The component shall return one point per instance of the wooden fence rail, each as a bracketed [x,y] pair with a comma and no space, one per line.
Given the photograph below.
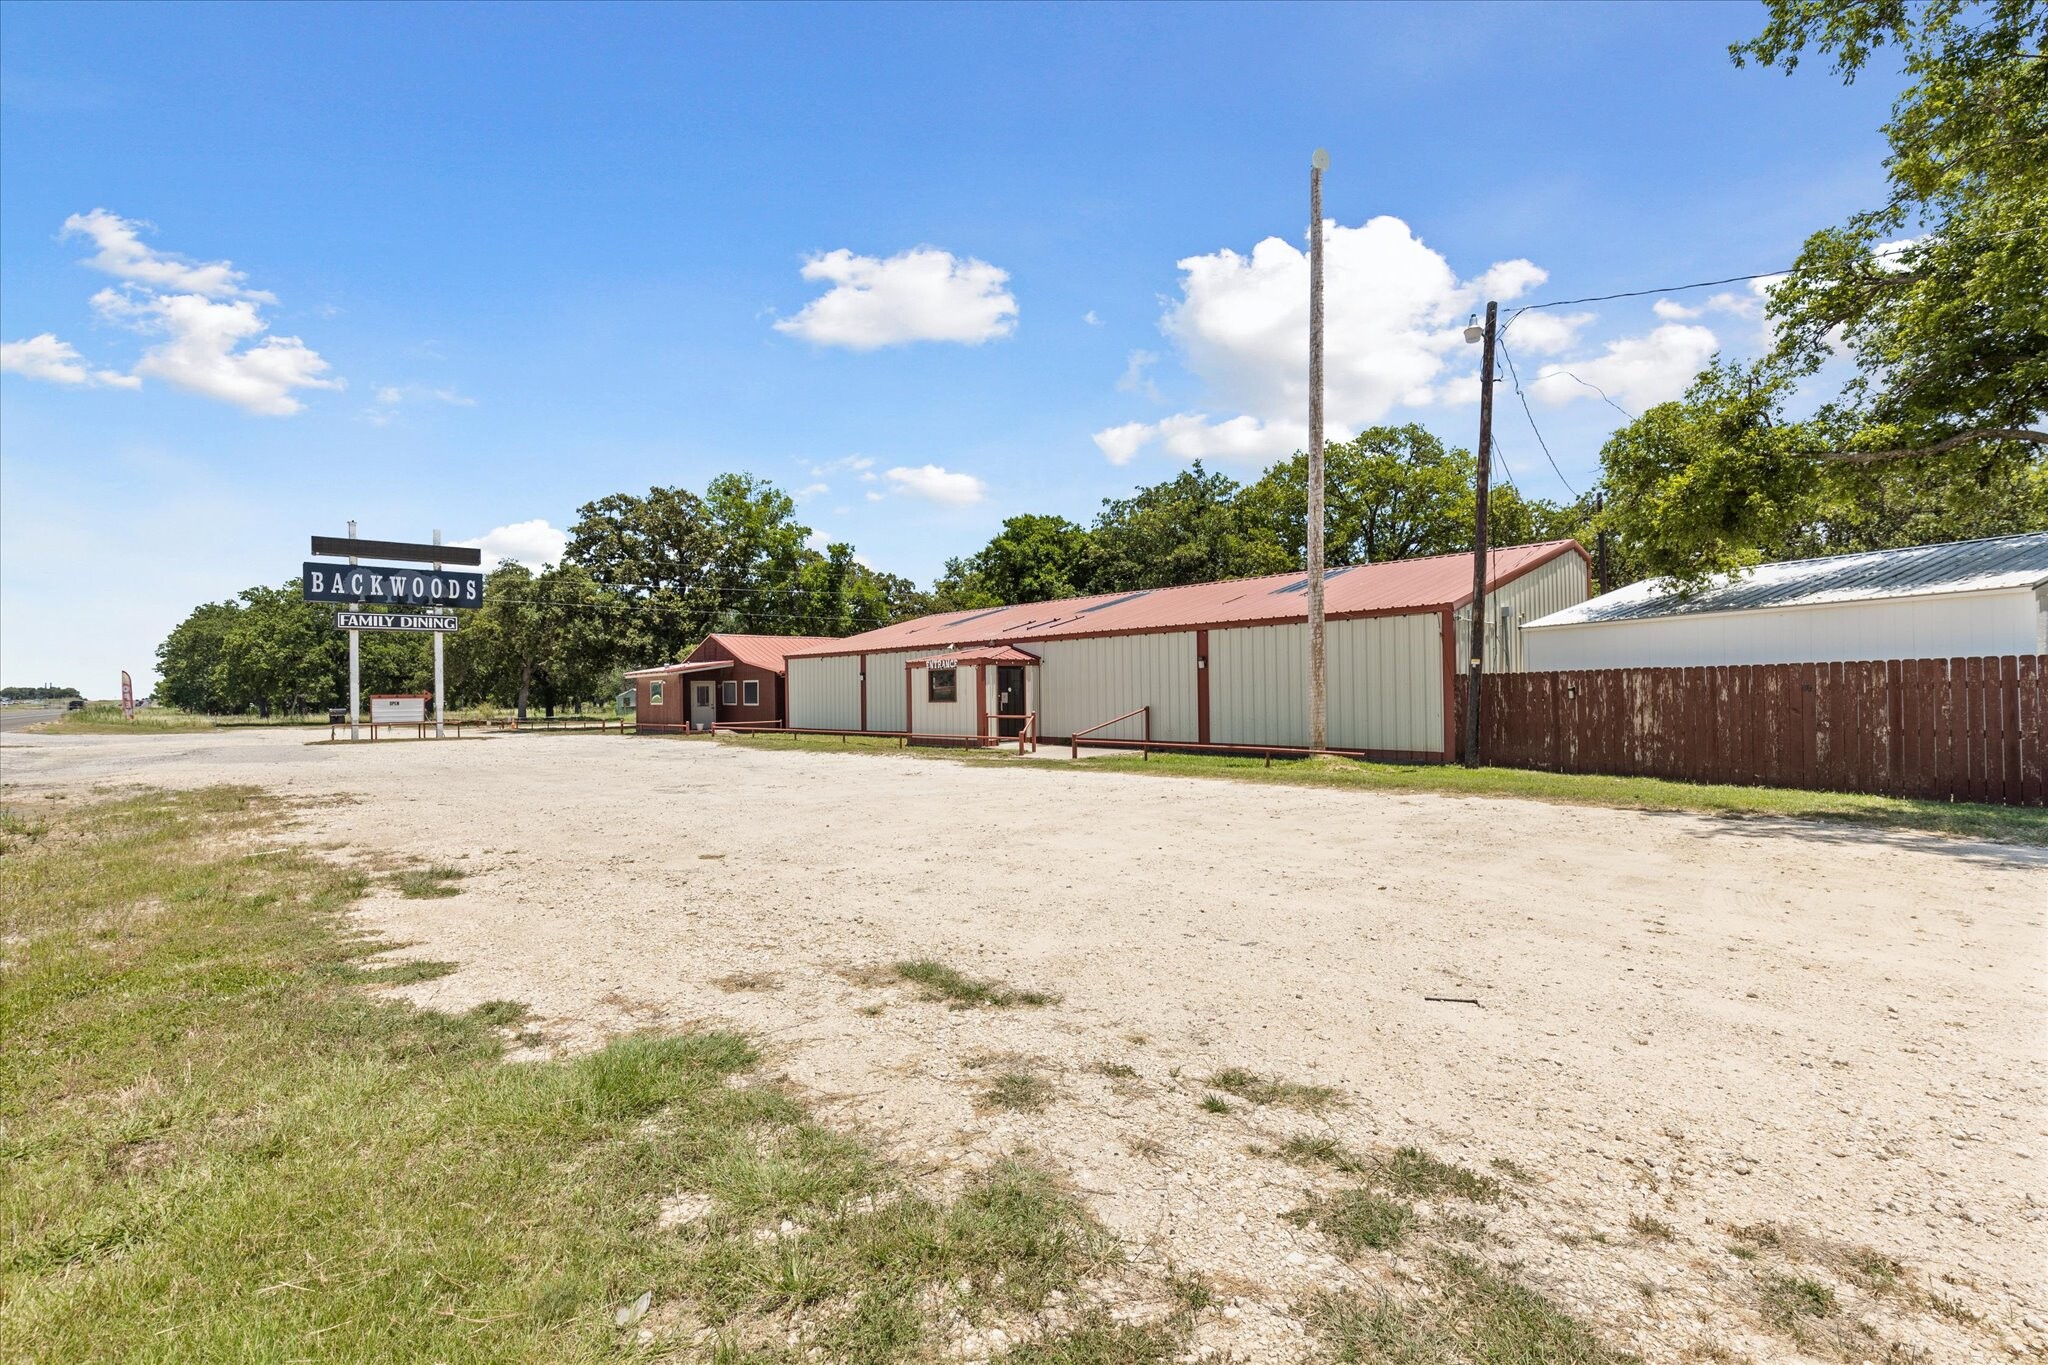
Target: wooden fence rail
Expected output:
[1949,729]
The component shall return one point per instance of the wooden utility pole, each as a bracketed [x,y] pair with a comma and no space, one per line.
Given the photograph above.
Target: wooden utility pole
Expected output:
[1476,664]
[1600,543]
[1318,710]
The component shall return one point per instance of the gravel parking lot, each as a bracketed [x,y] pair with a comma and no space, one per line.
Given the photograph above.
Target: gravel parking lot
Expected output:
[1685,1026]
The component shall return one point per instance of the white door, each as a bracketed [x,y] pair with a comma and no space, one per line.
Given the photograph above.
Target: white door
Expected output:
[703,705]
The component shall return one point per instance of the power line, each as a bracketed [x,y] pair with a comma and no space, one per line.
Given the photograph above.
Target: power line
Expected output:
[1639,293]
[1524,398]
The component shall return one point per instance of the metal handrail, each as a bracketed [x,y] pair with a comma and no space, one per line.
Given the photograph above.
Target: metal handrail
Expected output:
[1074,740]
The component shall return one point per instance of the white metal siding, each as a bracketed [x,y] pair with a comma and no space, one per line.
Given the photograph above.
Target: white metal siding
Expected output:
[1934,627]
[1385,688]
[1085,682]
[885,689]
[1385,685]
[942,717]
[824,694]
[1563,582]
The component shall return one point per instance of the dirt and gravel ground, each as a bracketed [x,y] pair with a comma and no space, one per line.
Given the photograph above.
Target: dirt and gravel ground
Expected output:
[1697,1024]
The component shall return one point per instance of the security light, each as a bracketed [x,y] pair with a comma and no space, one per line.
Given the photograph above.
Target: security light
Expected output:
[1474,333]
[1319,159]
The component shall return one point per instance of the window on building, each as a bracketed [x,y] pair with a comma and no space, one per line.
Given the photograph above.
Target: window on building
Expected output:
[728,693]
[942,684]
[654,693]
[750,692]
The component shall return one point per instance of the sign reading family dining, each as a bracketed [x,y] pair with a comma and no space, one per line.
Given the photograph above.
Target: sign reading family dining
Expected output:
[391,587]
[393,620]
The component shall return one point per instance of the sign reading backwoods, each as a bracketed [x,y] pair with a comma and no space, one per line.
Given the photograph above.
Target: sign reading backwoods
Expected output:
[390,587]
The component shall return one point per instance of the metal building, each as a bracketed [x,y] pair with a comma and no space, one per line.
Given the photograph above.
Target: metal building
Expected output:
[726,680]
[1211,663]
[1971,598]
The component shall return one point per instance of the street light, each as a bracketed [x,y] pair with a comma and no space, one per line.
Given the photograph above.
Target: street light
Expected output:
[1476,660]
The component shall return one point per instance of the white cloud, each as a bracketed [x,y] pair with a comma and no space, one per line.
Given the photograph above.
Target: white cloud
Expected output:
[1548,333]
[1090,318]
[1134,378]
[1636,372]
[1671,310]
[860,466]
[923,294]
[124,255]
[873,496]
[44,357]
[207,349]
[532,543]
[936,483]
[1394,323]
[392,396]
[812,490]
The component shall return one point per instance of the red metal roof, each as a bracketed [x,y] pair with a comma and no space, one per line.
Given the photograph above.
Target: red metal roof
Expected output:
[1393,588]
[993,654]
[768,651]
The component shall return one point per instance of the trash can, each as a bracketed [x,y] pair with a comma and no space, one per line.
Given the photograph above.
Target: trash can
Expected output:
[337,715]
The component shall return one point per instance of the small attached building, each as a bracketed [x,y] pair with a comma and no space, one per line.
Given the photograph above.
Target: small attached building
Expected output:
[1966,599]
[727,680]
[1223,664]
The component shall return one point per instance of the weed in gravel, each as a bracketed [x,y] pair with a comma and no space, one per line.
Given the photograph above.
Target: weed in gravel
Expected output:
[1257,1089]
[1358,1220]
[1471,1314]
[1017,1090]
[407,973]
[747,981]
[1306,1150]
[1513,1170]
[1652,1227]
[1786,1299]
[500,1013]
[940,982]
[1415,1174]
[1097,1340]
[1952,1309]
[428,883]
[1215,1104]
[1117,1071]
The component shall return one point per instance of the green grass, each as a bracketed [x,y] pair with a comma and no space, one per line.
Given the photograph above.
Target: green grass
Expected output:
[1017,1090]
[1215,1104]
[1257,1089]
[105,718]
[940,982]
[428,883]
[1472,1313]
[219,1145]
[1415,1174]
[1359,1220]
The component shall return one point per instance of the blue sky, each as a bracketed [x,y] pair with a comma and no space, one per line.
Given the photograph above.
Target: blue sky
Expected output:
[468,268]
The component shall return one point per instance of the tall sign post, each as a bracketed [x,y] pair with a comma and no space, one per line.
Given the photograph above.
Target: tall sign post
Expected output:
[435,593]
[355,664]
[1318,734]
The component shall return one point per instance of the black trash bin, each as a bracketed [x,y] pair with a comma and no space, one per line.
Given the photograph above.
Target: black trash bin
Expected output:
[337,715]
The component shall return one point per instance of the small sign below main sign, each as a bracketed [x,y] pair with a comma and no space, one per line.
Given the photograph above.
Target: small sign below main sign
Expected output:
[390,587]
[393,620]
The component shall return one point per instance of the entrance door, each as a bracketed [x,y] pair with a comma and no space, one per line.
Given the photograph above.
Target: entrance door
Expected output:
[703,705]
[1010,699]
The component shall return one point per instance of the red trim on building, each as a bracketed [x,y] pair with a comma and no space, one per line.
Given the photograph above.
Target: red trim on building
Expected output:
[981,699]
[1202,686]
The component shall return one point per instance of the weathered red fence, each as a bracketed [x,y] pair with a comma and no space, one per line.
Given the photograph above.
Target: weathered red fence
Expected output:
[1950,729]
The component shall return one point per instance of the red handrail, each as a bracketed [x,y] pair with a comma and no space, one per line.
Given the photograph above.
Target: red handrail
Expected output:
[1074,740]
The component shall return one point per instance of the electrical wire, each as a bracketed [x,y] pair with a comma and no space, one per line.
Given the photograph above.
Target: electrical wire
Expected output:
[1639,293]
[1516,377]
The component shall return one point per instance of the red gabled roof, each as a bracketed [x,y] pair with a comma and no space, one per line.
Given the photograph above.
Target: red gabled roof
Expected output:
[993,654]
[768,651]
[1399,586]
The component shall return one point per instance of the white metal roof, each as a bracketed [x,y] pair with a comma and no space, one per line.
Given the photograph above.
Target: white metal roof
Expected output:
[1922,570]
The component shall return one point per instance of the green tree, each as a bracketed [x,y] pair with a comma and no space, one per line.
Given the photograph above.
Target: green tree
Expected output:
[188,662]
[1189,529]
[1033,558]
[1935,296]
[557,632]
[282,653]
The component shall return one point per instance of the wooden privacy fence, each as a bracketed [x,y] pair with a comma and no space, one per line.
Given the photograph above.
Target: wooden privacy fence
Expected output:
[1949,729]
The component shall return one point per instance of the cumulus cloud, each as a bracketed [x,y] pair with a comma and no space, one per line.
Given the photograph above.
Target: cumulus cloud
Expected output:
[211,347]
[1637,372]
[209,326]
[923,294]
[1135,380]
[813,490]
[44,357]
[1671,310]
[936,483]
[1548,333]
[124,255]
[860,466]
[1394,322]
[532,543]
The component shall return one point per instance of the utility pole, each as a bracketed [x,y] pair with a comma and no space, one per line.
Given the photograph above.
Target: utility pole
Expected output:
[1476,665]
[1600,543]
[437,663]
[1318,709]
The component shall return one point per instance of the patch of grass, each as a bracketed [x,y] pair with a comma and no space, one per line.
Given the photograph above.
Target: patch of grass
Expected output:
[105,718]
[1415,1174]
[747,981]
[1471,1314]
[1215,1104]
[1096,1340]
[2008,824]
[1513,1170]
[1257,1089]
[1316,1150]
[1786,1299]
[1017,1090]
[406,973]
[500,1013]
[1359,1220]
[1952,1309]
[1117,1071]
[220,1147]
[428,883]
[1652,1227]
[940,982]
